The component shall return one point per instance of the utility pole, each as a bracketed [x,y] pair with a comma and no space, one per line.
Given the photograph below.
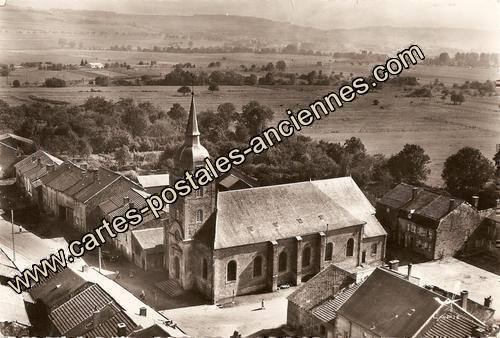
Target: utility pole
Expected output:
[99,249]
[13,243]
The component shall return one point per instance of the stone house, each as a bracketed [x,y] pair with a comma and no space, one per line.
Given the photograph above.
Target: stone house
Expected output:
[31,169]
[228,243]
[486,238]
[312,308]
[117,205]
[13,148]
[426,222]
[147,248]
[393,306]
[73,194]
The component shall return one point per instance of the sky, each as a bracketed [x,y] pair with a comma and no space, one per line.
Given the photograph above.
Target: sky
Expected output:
[324,14]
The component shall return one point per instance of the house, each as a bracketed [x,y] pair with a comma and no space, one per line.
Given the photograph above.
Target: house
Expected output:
[313,306]
[117,205]
[455,276]
[26,145]
[9,155]
[426,222]
[99,297]
[73,194]
[386,304]
[95,65]
[235,242]
[486,238]
[154,183]
[31,169]
[147,248]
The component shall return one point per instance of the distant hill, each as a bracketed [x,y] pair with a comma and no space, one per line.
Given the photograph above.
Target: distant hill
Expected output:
[34,29]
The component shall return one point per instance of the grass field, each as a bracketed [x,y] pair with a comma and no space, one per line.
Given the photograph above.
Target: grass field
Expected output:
[439,127]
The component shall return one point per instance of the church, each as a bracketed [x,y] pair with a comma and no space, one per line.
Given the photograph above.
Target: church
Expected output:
[230,242]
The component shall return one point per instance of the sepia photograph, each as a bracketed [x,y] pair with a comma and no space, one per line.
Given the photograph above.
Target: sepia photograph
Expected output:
[250,168]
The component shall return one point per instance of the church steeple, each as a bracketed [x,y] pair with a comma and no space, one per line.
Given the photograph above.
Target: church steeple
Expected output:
[192,132]
[192,153]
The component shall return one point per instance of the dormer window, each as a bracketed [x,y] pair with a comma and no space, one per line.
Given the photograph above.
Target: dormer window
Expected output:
[199,216]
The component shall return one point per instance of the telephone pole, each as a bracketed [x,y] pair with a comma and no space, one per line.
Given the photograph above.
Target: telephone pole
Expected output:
[13,243]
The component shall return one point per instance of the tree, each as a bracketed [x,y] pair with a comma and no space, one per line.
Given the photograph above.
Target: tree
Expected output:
[16,83]
[213,87]
[255,116]
[101,81]
[177,112]
[281,65]
[184,90]
[123,155]
[466,172]
[457,98]
[410,164]
[54,82]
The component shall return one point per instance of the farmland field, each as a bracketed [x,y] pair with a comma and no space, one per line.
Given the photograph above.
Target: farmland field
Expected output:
[439,127]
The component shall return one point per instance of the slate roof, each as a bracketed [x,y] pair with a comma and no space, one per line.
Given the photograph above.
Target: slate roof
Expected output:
[115,206]
[330,281]
[149,238]
[79,308]
[451,321]
[390,306]
[108,328]
[230,180]
[8,136]
[281,211]
[262,214]
[345,192]
[57,288]
[31,168]
[327,311]
[428,207]
[398,196]
[63,177]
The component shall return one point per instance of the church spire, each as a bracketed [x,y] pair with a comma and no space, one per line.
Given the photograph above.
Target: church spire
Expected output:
[192,154]
[192,133]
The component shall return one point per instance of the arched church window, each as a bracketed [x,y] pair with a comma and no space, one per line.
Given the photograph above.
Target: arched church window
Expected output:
[282,261]
[199,192]
[350,248]
[199,216]
[329,252]
[231,271]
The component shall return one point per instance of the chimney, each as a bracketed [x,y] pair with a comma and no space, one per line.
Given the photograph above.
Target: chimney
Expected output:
[478,332]
[126,200]
[475,202]
[142,311]
[414,191]
[464,295]
[96,318]
[84,166]
[452,205]
[85,268]
[409,271]
[39,160]
[488,301]
[50,167]
[121,330]
[394,265]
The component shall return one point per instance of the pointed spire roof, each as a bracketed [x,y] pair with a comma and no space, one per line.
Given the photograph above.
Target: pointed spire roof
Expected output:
[192,131]
[192,152]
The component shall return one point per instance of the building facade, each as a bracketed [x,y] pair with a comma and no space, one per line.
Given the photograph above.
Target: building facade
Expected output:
[425,222]
[229,243]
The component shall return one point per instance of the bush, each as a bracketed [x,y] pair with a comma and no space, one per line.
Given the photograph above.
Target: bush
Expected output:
[54,82]
[16,84]
[101,81]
